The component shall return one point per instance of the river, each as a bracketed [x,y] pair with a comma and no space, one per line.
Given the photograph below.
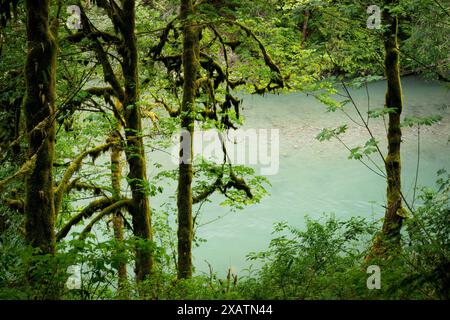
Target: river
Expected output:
[317,177]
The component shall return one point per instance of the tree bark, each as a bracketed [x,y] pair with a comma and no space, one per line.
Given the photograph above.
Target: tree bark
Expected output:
[39,104]
[393,219]
[116,177]
[137,176]
[191,53]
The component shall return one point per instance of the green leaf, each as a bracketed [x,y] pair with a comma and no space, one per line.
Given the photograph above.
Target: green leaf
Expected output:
[332,104]
[378,112]
[355,153]
[421,121]
[370,146]
[326,134]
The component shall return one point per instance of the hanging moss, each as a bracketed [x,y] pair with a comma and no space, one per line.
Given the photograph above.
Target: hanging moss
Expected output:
[155,51]
[108,210]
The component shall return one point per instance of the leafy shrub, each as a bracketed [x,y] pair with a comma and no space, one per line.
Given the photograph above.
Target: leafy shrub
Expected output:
[317,263]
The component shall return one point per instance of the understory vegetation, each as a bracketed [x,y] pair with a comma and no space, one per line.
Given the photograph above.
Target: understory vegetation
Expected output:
[325,260]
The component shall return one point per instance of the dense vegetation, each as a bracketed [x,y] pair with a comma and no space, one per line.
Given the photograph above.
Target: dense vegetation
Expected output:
[90,90]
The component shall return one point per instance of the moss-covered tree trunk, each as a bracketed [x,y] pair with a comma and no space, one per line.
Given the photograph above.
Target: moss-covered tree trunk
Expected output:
[191,53]
[116,177]
[39,104]
[137,176]
[390,237]
[123,18]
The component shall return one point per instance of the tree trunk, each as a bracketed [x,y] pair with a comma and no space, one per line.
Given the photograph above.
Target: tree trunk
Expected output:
[393,218]
[137,177]
[191,53]
[116,177]
[305,27]
[390,237]
[39,104]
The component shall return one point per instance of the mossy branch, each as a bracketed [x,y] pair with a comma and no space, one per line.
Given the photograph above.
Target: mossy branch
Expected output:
[278,81]
[155,51]
[238,183]
[233,182]
[88,211]
[15,204]
[173,112]
[110,97]
[208,191]
[41,126]
[267,58]
[100,91]
[25,169]
[108,72]
[108,210]
[80,186]
[74,167]
[105,36]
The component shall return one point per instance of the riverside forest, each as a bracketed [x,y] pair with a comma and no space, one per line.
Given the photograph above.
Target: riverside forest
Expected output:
[224,149]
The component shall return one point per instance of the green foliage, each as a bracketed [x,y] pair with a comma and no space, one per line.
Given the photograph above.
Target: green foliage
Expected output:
[331,104]
[380,112]
[326,260]
[197,288]
[421,121]
[20,263]
[14,257]
[427,244]
[314,263]
[370,147]
[426,44]
[327,134]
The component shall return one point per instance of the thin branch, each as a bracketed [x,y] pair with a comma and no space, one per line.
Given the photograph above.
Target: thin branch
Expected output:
[442,7]
[171,111]
[360,160]
[417,166]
